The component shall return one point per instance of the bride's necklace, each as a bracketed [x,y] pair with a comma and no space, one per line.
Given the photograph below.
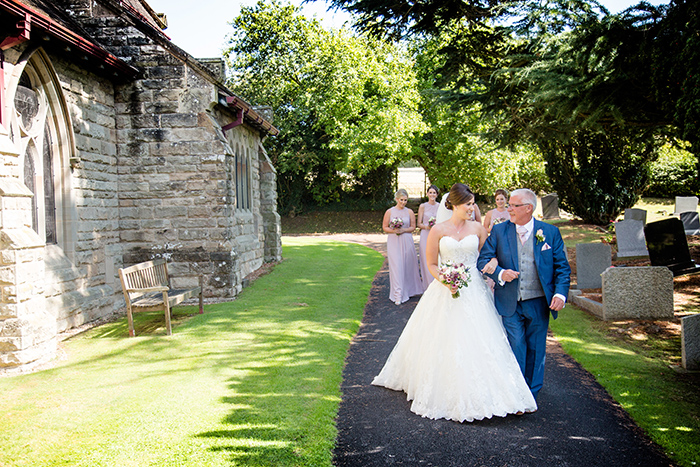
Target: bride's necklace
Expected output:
[460,229]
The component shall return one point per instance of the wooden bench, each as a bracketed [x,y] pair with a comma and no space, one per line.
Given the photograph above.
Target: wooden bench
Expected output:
[146,287]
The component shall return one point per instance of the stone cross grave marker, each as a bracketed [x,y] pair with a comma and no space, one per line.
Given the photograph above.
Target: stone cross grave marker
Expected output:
[636,214]
[592,259]
[685,204]
[630,239]
[550,206]
[691,222]
[668,246]
[690,342]
[644,292]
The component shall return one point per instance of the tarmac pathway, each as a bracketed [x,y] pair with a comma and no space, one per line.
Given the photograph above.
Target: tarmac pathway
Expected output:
[577,423]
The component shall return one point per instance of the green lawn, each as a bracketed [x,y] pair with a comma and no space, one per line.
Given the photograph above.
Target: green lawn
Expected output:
[252,382]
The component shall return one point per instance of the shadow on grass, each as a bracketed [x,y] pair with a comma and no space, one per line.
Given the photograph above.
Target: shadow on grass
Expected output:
[286,390]
[146,323]
[272,359]
[283,402]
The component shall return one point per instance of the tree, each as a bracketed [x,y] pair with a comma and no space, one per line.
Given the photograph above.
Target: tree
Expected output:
[346,105]
[564,93]
[597,175]
[452,148]
[571,76]
[398,18]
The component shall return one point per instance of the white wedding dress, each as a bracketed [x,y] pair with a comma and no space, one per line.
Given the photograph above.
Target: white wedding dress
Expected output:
[453,359]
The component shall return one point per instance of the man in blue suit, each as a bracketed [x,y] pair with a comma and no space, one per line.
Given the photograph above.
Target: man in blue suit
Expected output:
[532,278]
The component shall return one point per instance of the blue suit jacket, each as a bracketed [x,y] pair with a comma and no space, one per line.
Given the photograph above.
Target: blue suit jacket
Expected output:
[552,266]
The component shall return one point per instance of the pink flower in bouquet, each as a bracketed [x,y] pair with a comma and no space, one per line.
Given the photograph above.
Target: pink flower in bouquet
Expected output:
[454,275]
[431,222]
[396,223]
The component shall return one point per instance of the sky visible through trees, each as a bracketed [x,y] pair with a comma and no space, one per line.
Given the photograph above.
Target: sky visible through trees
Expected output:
[202,31]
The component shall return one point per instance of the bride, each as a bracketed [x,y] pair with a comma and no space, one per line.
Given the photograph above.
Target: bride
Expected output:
[453,359]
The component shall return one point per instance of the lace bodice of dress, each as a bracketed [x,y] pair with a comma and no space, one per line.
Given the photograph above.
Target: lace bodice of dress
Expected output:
[465,251]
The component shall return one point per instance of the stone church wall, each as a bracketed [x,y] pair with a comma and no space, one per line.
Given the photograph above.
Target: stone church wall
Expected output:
[152,173]
[81,272]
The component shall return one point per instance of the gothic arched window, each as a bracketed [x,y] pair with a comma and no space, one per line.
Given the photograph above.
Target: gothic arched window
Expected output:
[40,129]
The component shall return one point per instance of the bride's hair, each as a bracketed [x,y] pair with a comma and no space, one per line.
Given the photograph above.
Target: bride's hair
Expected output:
[459,194]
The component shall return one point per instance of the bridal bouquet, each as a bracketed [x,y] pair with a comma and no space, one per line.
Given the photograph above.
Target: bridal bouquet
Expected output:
[431,222]
[396,223]
[454,275]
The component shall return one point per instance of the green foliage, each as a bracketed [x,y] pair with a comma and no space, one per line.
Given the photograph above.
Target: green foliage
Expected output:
[675,70]
[552,74]
[253,382]
[598,175]
[453,148]
[346,105]
[531,171]
[673,174]
[396,18]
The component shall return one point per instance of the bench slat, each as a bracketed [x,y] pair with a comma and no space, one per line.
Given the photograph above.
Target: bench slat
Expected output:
[154,300]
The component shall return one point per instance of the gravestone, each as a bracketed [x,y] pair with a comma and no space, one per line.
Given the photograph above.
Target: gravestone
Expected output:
[636,214]
[630,239]
[550,206]
[592,259]
[690,342]
[691,222]
[644,292]
[668,246]
[685,204]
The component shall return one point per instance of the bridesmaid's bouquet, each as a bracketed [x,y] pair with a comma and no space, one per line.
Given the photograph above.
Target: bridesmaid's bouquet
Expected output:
[454,275]
[498,220]
[396,223]
[431,222]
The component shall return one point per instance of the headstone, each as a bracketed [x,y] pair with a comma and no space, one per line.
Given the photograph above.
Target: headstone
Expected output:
[685,204]
[668,246]
[630,239]
[592,259]
[691,222]
[550,206]
[636,215]
[644,292]
[690,342]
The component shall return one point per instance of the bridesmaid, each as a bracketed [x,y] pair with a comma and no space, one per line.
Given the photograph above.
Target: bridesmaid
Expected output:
[427,213]
[400,222]
[499,213]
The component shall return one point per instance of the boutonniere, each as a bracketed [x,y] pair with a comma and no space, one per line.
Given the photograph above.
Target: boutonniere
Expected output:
[539,235]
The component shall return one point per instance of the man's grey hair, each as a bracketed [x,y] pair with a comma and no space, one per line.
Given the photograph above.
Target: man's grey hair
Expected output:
[529,196]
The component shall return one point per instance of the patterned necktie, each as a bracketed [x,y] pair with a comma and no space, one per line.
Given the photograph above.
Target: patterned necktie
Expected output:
[522,233]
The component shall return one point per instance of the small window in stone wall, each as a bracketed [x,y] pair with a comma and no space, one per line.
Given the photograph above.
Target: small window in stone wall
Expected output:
[242,180]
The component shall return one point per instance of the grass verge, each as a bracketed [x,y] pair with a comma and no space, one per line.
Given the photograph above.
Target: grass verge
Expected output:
[252,382]
[663,402]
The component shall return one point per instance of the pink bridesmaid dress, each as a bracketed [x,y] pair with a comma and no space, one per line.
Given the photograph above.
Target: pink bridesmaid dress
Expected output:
[428,212]
[404,278]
